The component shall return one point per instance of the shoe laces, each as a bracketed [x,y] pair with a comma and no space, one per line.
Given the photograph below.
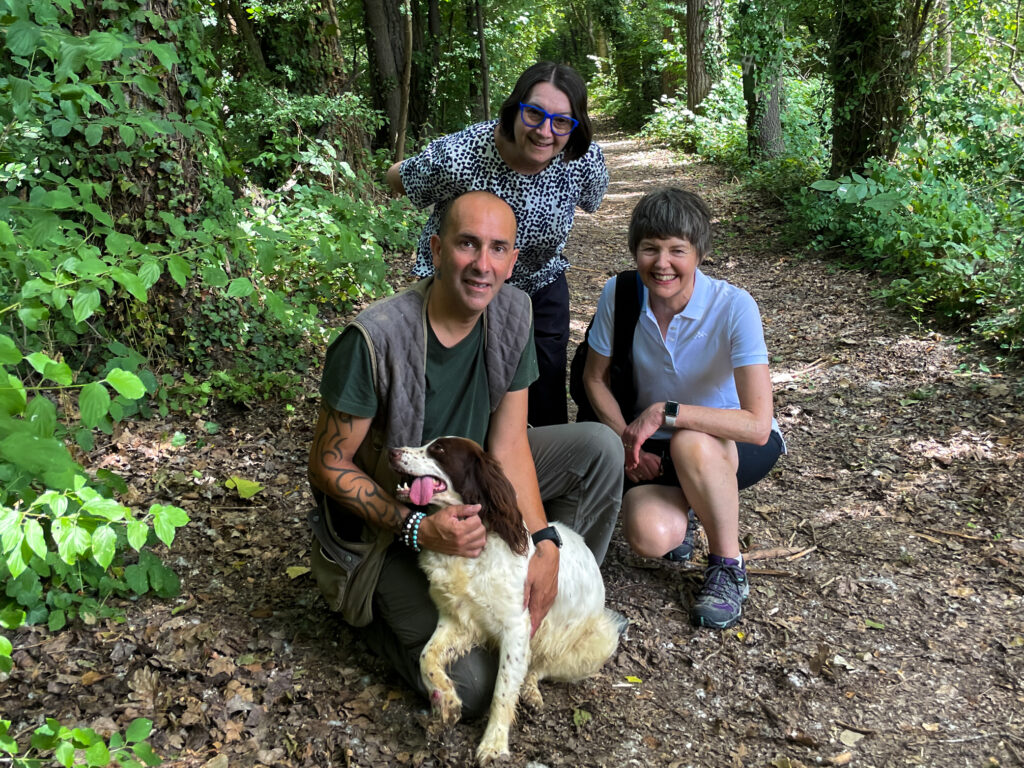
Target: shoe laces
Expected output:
[723,579]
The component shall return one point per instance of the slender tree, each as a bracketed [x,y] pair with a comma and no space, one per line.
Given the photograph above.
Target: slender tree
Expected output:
[761,36]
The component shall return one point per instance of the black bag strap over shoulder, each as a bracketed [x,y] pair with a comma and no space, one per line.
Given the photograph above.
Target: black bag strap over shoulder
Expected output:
[628,296]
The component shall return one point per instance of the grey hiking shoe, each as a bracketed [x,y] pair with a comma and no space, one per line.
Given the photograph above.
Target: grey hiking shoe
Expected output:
[720,601]
[684,551]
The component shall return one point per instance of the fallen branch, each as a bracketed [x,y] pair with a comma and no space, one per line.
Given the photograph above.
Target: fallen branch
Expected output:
[790,553]
[957,534]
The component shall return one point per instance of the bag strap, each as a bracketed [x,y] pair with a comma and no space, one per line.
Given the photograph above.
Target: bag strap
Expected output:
[629,291]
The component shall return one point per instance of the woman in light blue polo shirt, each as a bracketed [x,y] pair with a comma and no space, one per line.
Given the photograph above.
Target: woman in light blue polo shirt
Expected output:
[702,427]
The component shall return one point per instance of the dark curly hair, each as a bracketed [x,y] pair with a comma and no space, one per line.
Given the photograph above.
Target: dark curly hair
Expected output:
[565,79]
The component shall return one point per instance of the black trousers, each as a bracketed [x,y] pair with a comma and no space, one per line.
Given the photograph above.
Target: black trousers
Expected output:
[548,401]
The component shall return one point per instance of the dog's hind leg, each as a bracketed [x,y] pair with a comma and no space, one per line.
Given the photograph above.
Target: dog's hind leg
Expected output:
[513,664]
[449,642]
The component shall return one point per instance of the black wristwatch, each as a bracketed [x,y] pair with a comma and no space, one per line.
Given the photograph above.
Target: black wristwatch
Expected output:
[547,534]
[671,411]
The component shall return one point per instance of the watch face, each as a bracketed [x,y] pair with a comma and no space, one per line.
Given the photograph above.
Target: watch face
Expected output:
[671,409]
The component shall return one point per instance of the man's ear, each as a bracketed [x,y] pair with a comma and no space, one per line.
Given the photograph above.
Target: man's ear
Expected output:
[512,262]
[435,251]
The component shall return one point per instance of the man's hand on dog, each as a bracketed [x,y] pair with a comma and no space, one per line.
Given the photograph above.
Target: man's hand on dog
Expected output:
[541,583]
[454,531]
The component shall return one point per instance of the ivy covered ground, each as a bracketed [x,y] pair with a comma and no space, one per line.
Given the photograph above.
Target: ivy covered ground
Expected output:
[885,626]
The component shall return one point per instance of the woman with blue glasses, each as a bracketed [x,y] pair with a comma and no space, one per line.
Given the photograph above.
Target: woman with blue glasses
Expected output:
[537,156]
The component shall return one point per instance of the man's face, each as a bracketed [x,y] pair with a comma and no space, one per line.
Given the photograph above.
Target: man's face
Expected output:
[476,252]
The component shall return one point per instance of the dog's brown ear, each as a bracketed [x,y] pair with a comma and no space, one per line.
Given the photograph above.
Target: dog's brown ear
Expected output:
[500,511]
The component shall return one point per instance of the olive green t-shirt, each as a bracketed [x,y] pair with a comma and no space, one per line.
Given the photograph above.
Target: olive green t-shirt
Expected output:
[457,397]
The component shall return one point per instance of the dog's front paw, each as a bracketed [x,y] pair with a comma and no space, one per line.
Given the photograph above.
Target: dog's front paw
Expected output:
[489,754]
[446,706]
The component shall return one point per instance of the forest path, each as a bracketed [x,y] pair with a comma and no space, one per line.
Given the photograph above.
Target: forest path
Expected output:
[892,635]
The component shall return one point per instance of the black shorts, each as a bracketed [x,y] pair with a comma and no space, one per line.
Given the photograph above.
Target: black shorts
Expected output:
[755,462]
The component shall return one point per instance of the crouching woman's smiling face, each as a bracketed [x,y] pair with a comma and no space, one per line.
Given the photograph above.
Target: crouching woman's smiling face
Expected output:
[667,267]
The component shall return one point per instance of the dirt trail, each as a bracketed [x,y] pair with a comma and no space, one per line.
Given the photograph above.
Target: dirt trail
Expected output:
[891,636]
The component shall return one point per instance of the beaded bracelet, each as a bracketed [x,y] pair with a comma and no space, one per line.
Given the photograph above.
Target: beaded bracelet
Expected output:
[411,530]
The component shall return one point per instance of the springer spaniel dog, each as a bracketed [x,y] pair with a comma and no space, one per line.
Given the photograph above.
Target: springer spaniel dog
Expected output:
[576,637]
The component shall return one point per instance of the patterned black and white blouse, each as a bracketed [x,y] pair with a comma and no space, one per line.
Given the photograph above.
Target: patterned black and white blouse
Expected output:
[544,203]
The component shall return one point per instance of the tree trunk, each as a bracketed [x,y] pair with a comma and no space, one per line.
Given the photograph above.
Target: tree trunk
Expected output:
[873,61]
[762,36]
[403,112]
[764,117]
[698,80]
[485,77]
[385,42]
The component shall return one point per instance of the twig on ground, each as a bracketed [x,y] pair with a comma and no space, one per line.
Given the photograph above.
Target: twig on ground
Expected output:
[857,728]
[957,534]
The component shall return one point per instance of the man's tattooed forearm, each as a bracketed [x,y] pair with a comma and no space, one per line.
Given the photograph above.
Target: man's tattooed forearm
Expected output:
[334,445]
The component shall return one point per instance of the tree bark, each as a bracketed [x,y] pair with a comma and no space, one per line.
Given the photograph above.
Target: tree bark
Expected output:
[762,81]
[485,77]
[403,112]
[698,79]
[873,60]
[385,41]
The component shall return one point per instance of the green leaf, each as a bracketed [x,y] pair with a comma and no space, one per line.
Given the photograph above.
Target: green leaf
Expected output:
[72,540]
[9,352]
[126,383]
[41,414]
[246,488]
[166,519]
[179,270]
[93,403]
[148,85]
[137,579]
[104,545]
[15,561]
[57,620]
[137,532]
[60,128]
[872,624]
[44,228]
[127,134]
[98,754]
[139,730]
[240,287]
[118,244]
[178,439]
[34,537]
[104,46]
[93,134]
[23,37]
[85,303]
[12,617]
[825,185]
[98,213]
[130,282]
[65,754]
[214,276]
[12,395]
[145,753]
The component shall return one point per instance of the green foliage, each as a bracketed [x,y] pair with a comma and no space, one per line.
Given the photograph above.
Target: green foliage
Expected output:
[62,534]
[956,251]
[275,134]
[55,743]
[718,134]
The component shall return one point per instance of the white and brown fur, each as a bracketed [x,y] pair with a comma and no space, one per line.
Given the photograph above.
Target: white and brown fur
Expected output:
[480,600]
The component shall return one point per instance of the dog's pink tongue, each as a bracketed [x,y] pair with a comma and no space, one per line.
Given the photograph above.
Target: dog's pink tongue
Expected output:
[421,491]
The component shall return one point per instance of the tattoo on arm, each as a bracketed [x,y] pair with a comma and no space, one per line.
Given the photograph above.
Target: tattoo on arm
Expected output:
[336,449]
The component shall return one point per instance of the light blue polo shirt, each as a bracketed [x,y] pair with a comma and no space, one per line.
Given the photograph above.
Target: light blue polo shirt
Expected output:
[717,331]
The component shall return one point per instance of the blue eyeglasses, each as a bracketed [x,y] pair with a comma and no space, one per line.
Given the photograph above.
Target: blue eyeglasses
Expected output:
[534,117]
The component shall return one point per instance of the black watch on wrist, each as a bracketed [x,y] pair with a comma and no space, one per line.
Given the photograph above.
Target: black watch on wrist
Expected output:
[547,534]
[671,411]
